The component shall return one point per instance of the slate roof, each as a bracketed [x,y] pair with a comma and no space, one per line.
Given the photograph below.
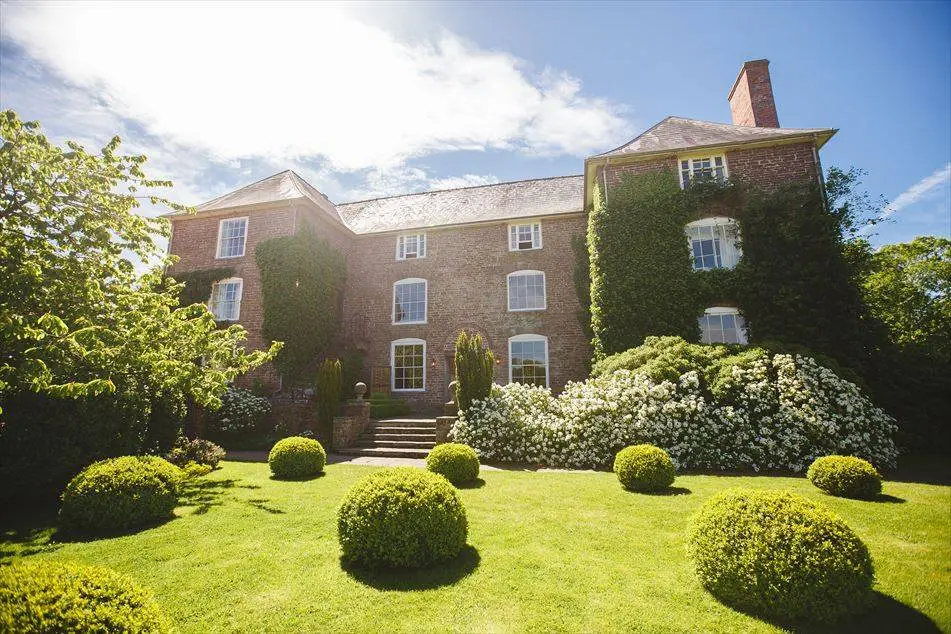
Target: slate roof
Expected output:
[679,133]
[286,185]
[519,199]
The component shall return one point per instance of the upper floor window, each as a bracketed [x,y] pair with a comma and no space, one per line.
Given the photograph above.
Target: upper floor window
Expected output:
[408,365]
[225,302]
[702,168]
[232,235]
[526,290]
[409,301]
[722,325]
[525,236]
[714,243]
[528,360]
[411,247]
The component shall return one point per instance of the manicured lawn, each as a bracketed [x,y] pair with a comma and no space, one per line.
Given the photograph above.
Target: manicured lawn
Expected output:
[548,552]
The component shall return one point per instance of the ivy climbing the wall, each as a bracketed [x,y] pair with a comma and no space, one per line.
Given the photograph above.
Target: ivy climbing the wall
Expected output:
[792,283]
[198,284]
[302,279]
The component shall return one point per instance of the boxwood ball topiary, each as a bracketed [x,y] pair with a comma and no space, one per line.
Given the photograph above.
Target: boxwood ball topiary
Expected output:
[457,462]
[780,556]
[120,493]
[296,457]
[50,596]
[845,476]
[644,468]
[401,517]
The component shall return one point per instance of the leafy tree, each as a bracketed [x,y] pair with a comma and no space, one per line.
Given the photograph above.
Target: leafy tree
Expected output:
[91,350]
[908,287]
[475,365]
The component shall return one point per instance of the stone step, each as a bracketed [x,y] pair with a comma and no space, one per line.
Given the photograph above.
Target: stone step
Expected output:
[402,428]
[385,452]
[413,444]
[426,421]
[392,435]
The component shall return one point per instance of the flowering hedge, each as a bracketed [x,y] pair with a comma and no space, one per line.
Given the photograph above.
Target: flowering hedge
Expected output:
[766,412]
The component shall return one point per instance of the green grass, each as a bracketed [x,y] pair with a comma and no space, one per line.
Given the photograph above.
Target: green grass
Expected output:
[548,552]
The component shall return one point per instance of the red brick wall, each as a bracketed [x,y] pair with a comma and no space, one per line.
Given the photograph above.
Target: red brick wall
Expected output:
[466,269]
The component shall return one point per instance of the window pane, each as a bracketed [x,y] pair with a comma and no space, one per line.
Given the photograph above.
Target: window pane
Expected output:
[225,300]
[408,367]
[528,361]
[722,328]
[527,292]
[232,238]
[410,302]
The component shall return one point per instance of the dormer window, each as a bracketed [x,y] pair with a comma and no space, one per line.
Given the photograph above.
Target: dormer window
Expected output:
[702,168]
[411,246]
[525,236]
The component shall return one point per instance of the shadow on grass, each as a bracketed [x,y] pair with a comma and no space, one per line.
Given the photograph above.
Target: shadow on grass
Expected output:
[203,493]
[27,530]
[668,492]
[316,476]
[264,506]
[478,483]
[408,579]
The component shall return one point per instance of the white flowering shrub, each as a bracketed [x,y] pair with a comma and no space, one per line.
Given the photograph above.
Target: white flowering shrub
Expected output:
[763,412]
[241,413]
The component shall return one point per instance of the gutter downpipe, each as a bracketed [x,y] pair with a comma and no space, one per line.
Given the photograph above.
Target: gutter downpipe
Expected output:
[822,179]
[604,178]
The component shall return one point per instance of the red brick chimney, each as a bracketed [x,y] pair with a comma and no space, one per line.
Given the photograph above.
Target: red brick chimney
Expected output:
[751,99]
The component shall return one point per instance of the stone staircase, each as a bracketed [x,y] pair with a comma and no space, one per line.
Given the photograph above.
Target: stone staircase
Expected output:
[396,438]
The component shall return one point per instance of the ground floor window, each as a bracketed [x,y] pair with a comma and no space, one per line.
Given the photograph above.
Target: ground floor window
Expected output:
[722,325]
[528,360]
[408,361]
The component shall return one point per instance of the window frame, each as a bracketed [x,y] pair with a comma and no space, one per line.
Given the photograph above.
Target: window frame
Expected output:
[244,241]
[742,338]
[411,280]
[211,299]
[730,251]
[421,238]
[508,290]
[408,341]
[713,156]
[525,338]
[513,226]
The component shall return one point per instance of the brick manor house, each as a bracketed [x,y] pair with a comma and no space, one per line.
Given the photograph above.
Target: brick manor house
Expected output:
[495,259]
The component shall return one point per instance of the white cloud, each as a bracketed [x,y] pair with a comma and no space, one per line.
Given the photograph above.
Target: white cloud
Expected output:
[466,180]
[295,80]
[919,190]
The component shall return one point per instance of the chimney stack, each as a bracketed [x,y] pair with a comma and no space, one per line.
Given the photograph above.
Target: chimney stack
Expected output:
[751,99]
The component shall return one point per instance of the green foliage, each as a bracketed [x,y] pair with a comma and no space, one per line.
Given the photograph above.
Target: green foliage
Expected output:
[83,334]
[198,284]
[196,470]
[328,391]
[352,371]
[401,517]
[475,365]
[582,282]
[117,494]
[644,468]
[296,457]
[458,463]
[638,257]
[779,555]
[195,450]
[383,406]
[909,289]
[37,597]
[845,476]
[302,279]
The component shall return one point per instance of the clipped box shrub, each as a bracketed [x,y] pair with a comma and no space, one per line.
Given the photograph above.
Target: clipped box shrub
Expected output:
[121,493]
[401,517]
[458,463]
[195,450]
[845,476]
[296,457]
[644,468]
[50,596]
[780,556]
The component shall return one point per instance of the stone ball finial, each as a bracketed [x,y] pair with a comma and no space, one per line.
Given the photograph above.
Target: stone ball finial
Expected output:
[360,389]
[453,385]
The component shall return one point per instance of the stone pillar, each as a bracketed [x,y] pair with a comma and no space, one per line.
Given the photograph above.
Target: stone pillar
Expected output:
[443,425]
[355,419]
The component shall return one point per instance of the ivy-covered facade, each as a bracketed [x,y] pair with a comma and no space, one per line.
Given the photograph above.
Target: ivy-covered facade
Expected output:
[693,228]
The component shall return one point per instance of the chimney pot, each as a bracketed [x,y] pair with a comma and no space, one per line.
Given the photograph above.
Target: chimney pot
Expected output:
[751,98]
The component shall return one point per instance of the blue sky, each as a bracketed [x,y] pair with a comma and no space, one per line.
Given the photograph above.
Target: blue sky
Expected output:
[370,99]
